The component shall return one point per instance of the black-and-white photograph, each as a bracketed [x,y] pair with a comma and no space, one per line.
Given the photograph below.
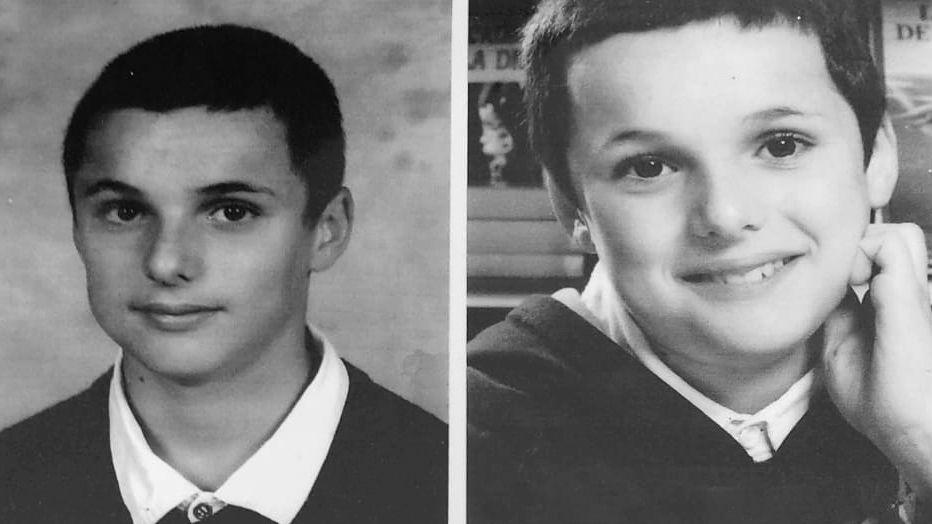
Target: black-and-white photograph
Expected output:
[484,261]
[224,261]
[709,304]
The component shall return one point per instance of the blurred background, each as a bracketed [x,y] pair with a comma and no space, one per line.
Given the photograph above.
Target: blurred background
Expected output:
[384,305]
[903,39]
[515,246]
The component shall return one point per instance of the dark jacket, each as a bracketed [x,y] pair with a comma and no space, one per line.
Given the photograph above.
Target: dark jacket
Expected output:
[566,426]
[387,463]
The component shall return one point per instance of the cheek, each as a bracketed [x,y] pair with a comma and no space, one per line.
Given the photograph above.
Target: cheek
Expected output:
[832,209]
[272,266]
[635,235]
[110,271]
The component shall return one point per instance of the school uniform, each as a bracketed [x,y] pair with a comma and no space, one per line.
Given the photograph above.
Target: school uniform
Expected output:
[568,425]
[348,451]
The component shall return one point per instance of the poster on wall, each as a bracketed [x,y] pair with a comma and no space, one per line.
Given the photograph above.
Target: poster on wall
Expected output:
[907,59]
[498,149]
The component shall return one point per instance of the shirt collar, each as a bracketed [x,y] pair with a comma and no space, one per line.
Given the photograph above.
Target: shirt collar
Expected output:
[761,433]
[274,482]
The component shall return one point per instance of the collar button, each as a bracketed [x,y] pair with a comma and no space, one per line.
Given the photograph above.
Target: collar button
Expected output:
[202,511]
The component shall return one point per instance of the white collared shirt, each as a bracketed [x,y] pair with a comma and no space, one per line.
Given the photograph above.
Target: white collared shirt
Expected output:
[761,433]
[274,482]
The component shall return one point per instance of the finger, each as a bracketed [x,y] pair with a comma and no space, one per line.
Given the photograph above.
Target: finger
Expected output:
[915,240]
[844,320]
[862,269]
[900,292]
[897,250]
[846,342]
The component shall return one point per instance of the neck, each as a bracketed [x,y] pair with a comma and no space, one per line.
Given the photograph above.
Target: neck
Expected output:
[742,386]
[206,428]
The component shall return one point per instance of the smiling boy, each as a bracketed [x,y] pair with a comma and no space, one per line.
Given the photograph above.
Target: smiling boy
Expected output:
[722,159]
[205,173]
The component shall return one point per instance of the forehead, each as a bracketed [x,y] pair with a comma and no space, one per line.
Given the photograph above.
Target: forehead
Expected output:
[187,145]
[705,72]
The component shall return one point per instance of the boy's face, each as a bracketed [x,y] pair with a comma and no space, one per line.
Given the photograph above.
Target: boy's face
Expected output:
[190,225]
[723,184]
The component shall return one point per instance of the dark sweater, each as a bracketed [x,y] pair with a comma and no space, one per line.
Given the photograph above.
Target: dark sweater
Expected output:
[566,426]
[387,463]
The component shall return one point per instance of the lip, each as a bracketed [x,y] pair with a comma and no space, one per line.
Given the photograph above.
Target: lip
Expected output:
[722,278]
[736,264]
[175,317]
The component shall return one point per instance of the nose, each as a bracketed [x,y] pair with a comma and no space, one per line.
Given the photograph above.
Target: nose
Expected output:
[172,255]
[728,204]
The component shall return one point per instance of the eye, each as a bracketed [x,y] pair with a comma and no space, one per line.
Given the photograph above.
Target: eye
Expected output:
[122,212]
[784,145]
[645,167]
[232,213]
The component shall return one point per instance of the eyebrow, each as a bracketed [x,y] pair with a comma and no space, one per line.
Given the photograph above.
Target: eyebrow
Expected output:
[111,185]
[220,188]
[223,188]
[775,113]
[636,135]
[764,115]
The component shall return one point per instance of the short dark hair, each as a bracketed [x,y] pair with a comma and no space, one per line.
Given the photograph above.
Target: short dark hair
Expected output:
[224,68]
[560,28]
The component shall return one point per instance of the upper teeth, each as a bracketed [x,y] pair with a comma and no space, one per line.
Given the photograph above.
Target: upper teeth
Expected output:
[754,275]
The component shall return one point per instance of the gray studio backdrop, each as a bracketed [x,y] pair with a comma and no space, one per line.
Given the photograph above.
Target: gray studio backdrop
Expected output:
[384,305]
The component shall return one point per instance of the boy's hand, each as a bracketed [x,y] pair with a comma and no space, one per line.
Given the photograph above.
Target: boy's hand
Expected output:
[877,355]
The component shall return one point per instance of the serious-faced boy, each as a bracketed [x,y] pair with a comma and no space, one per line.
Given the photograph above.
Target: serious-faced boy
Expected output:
[205,173]
[722,159]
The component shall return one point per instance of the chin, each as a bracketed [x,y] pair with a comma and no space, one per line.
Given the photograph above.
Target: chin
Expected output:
[186,361]
[772,345]
[774,335]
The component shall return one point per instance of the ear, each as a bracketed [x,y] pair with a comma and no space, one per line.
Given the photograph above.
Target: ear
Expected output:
[883,168]
[581,235]
[569,215]
[77,238]
[332,231]
[563,207]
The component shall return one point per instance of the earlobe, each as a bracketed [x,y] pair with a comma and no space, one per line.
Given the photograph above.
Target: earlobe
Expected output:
[76,238]
[563,208]
[332,231]
[581,235]
[883,168]
[569,214]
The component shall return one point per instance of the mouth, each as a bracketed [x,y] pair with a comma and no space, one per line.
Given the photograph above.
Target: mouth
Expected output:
[174,317]
[742,274]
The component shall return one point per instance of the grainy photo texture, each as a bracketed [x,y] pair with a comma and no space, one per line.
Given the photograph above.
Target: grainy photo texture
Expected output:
[719,321]
[243,206]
